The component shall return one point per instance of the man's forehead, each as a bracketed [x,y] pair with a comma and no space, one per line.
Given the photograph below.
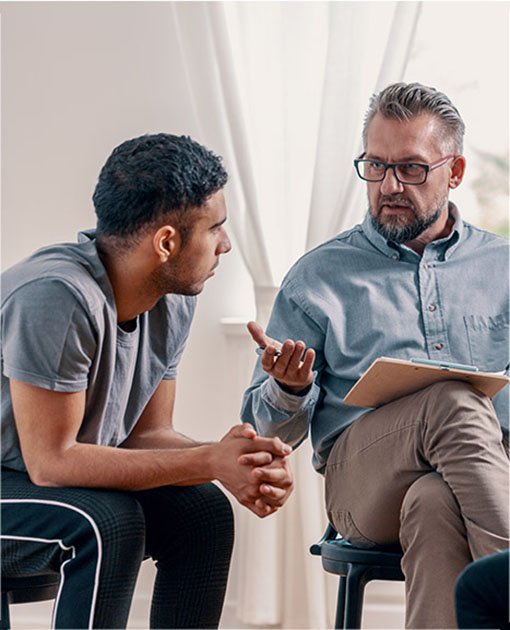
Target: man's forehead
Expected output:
[404,138]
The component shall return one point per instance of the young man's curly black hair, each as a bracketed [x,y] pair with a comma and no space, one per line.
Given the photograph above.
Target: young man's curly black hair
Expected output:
[149,177]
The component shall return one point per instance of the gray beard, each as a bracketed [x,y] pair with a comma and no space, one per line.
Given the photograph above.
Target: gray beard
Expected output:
[406,233]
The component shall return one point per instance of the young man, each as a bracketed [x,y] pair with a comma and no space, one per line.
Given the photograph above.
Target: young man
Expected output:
[94,477]
[413,280]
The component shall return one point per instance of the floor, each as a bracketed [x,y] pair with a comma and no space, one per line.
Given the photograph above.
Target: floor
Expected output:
[383,609]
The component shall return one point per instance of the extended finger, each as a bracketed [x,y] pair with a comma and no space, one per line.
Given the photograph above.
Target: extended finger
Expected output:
[259,458]
[260,338]
[257,333]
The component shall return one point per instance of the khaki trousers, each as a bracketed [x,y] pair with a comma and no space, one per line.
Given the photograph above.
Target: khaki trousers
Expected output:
[429,471]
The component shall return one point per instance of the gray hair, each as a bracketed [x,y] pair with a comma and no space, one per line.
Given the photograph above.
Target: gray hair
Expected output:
[404,101]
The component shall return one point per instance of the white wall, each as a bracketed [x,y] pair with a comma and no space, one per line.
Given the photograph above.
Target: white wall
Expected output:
[77,79]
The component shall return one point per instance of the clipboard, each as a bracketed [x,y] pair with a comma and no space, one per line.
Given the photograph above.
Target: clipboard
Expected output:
[388,379]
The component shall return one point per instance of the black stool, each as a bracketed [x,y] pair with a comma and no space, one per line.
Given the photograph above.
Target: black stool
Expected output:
[26,589]
[356,567]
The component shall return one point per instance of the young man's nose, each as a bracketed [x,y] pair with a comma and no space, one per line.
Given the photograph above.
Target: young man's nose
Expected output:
[224,245]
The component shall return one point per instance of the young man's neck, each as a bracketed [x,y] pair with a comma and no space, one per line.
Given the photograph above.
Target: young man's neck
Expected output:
[129,279]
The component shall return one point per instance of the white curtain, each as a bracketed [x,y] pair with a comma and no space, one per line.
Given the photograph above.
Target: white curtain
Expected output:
[369,45]
[279,89]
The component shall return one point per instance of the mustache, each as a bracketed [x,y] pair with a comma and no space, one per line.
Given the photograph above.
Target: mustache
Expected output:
[397,200]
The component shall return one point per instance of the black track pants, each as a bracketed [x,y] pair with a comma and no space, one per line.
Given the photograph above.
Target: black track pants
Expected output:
[97,539]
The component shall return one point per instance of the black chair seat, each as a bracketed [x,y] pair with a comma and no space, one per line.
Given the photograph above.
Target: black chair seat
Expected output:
[337,552]
[355,567]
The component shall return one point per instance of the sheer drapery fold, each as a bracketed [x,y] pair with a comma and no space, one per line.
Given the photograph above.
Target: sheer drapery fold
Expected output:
[216,100]
[368,49]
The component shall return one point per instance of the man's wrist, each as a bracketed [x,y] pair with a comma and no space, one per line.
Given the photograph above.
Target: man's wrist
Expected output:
[292,390]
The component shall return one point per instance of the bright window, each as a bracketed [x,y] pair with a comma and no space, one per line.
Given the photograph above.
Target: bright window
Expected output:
[461,48]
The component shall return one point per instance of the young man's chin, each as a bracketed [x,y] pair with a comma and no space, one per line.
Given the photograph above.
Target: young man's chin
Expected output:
[194,289]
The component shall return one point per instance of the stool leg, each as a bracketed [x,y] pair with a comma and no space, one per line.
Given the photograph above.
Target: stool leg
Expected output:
[340,604]
[5,622]
[354,596]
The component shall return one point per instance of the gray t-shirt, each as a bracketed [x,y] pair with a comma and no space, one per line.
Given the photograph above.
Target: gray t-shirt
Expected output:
[60,332]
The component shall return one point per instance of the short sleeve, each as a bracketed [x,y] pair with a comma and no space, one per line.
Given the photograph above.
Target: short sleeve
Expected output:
[48,338]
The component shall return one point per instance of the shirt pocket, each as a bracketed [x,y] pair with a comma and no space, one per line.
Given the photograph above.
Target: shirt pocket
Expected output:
[488,340]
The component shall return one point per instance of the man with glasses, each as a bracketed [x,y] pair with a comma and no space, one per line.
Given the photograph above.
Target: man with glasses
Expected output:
[429,470]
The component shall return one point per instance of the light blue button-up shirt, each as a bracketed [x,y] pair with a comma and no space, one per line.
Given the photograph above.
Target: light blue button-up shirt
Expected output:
[358,297]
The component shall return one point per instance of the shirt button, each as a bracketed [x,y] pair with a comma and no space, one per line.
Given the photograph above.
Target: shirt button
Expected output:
[432,307]
[439,345]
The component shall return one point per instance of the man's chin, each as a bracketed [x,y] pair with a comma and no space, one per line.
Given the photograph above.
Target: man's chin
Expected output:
[395,221]
[397,228]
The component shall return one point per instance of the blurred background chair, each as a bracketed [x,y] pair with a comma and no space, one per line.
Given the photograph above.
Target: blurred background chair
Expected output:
[355,567]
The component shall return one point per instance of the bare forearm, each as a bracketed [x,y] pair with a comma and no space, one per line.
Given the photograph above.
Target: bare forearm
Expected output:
[161,438]
[87,465]
[153,455]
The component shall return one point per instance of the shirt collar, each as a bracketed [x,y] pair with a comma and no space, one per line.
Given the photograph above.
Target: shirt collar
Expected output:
[88,235]
[445,246]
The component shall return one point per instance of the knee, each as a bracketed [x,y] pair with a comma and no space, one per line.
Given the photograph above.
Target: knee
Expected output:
[192,521]
[457,406]
[211,511]
[454,394]
[213,524]
[427,502]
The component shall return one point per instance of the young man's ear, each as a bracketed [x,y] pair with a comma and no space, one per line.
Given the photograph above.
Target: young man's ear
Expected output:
[166,242]
[457,171]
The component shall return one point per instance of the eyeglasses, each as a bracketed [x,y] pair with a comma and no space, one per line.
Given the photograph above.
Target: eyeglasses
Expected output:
[405,172]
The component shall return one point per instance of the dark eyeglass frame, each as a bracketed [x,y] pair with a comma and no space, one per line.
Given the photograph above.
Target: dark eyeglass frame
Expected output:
[393,165]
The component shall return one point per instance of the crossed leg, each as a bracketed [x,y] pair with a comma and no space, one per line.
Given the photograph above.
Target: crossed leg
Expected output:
[428,470]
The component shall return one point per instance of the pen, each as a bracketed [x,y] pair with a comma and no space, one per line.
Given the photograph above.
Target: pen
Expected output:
[261,349]
[445,365]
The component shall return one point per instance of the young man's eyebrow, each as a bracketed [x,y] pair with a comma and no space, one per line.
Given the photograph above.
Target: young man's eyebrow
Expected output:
[218,223]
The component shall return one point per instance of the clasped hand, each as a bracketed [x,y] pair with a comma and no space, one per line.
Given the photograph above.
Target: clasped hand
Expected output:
[255,469]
